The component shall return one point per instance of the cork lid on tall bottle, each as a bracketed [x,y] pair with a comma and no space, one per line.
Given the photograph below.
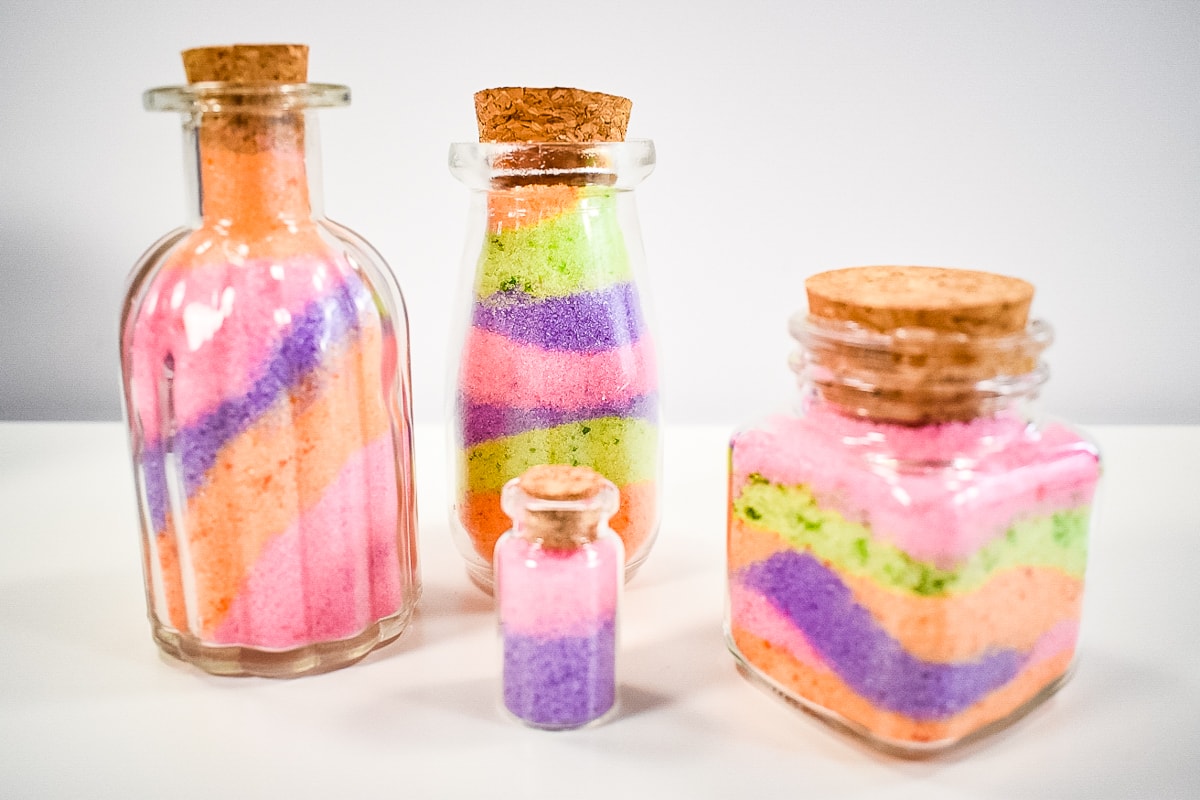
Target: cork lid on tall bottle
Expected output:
[555,133]
[912,344]
[557,114]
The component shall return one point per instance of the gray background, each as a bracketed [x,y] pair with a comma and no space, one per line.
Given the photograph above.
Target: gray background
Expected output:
[1055,141]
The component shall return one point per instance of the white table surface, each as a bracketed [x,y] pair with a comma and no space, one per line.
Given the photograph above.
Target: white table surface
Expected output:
[89,709]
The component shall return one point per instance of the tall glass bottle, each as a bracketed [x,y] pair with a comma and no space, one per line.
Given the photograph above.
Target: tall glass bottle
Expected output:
[264,352]
[555,360]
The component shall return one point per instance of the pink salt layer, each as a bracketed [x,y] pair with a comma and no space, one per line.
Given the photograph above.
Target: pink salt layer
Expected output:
[268,476]
[500,371]
[1033,475]
[333,572]
[544,593]
[219,321]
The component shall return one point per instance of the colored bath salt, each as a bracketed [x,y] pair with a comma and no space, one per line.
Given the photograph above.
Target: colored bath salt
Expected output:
[558,365]
[861,584]
[267,397]
[558,580]
[907,546]
[559,632]
[268,456]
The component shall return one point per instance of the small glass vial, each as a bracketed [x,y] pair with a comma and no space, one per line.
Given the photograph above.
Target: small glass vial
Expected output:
[907,545]
[554,359]
[558,587]
[264,353]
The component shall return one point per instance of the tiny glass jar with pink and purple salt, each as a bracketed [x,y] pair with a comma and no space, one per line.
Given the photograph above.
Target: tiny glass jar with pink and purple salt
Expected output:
[553,357]
[907,543]
[558,575]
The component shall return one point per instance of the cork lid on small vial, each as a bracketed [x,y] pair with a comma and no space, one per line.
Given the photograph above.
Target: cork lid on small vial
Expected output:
[562,526]
[556,114]
[931,339]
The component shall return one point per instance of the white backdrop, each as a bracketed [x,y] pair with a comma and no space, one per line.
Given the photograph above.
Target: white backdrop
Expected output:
[1055,141]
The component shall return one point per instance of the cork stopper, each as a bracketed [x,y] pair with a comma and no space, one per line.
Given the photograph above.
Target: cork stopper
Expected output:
[952,300]
[557,114]
[246,130]
[561,482]
[247,63]
[938,336]
[562,527]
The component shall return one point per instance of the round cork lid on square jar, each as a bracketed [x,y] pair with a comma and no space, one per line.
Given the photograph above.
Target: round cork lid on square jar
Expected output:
[886,298]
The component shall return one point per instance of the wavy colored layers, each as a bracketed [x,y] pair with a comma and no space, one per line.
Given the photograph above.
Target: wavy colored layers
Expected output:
[498,370]
[557,366]
[910,508]
[911,646]
[1011,610]
[275,509]
[1056,540]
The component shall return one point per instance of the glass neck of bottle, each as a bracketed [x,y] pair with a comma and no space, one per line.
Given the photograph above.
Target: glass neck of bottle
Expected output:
[560,529]
[252,172]
[917,376]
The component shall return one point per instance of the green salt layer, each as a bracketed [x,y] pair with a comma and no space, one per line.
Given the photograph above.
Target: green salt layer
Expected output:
[1057,540]
[622,450]
[576,251]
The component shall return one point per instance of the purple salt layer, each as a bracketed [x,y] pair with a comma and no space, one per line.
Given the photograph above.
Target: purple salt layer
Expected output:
[324,323]
[868,659]
[482,422]
[586,322]
[563,681]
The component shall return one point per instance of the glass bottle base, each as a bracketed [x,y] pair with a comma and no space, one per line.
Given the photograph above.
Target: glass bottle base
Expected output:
[896,747]
[311,659]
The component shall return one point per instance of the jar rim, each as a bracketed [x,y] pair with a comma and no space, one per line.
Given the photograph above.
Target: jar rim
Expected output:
[217,96]
[913,375]
[487,165]
[807,329]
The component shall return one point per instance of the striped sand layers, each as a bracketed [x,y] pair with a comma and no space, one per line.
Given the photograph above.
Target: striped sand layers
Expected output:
[918,606]
[270,456]
[558,624]
[558,366]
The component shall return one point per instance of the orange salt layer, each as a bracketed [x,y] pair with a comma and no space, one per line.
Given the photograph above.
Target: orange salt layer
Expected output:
[524,206]
[270,474]
[256,205]
[824,688]
[1011,611]
[485,521]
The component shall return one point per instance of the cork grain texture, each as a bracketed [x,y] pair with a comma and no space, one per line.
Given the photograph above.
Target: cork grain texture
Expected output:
[247,63]
[561,528]
[561,482]
[885,298]
[557,114]
[938,382]
[253,132]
